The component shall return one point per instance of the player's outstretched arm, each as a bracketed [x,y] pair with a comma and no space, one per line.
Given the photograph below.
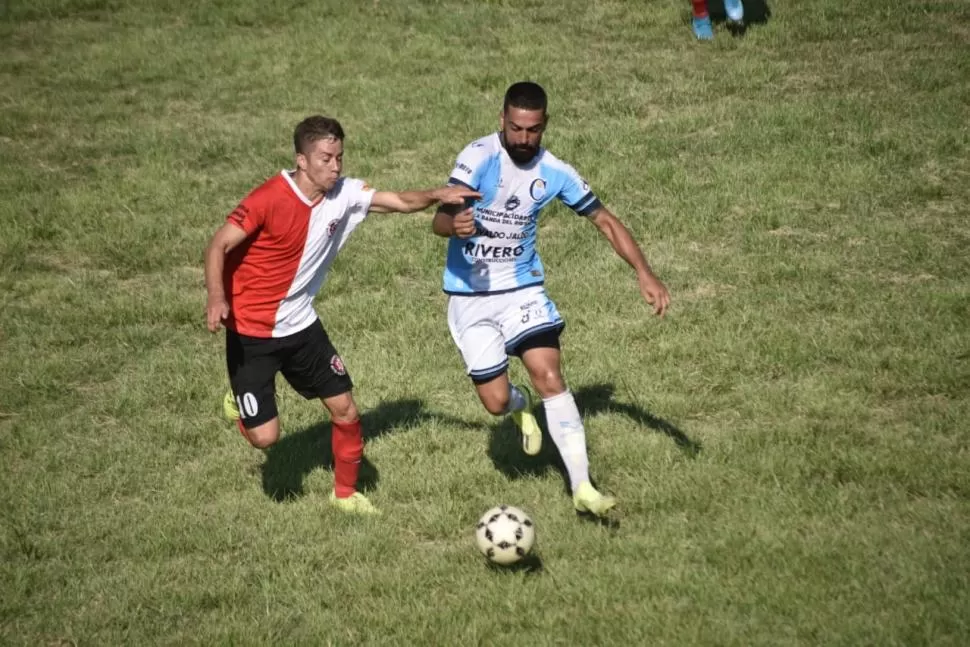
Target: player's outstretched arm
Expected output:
[653,290]
[411,201]
[225,240]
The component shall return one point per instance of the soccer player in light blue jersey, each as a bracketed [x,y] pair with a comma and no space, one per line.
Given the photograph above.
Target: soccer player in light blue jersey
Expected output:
[497,304]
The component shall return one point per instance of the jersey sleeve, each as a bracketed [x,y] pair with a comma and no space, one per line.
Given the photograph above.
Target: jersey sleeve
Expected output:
[468,166]
[250,214]
[359,196]
[576,194]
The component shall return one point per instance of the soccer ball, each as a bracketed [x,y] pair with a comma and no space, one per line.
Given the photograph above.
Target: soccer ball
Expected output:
[505,534]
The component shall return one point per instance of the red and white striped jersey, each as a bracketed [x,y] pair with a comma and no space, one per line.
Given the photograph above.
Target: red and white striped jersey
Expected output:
[272,277]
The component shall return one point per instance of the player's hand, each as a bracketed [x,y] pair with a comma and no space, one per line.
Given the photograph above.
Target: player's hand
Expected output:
[463,223]
[655,293]
[216,311]
[455,194]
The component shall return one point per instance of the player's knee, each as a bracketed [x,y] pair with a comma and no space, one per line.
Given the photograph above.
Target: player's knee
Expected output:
[495,407]
[548,382]
[264,435]
[494,394]
[496,401]
[262,442]
[342,407]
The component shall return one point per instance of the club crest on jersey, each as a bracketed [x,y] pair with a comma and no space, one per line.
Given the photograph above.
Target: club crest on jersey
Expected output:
[537,190]
[337,365]
[512,203]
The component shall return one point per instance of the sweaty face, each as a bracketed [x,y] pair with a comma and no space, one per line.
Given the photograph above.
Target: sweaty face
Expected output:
[322,163]
[522,131]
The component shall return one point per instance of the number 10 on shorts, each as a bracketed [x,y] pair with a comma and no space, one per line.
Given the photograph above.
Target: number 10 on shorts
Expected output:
[247,405]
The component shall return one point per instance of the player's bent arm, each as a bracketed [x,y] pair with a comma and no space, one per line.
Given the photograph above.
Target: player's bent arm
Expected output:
[621,240]
[227,238]
[444,220]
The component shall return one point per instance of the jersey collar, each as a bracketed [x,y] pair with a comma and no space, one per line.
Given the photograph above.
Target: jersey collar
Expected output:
[288,176]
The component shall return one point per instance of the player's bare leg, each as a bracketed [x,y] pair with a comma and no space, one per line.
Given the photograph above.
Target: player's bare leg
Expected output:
[348,449]
[264,435]
[500,397]
[565,427]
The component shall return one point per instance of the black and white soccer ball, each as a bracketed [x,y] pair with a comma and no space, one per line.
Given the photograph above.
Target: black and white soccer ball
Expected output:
[505,534]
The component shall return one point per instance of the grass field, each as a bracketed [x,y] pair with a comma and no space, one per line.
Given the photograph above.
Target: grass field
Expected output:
[789,446]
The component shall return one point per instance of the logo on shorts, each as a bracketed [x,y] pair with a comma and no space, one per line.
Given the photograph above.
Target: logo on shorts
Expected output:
[337,365]
[537,190]
[332,227]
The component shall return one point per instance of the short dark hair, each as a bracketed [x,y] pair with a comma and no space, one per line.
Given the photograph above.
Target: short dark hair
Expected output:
[313,128]
[526,95]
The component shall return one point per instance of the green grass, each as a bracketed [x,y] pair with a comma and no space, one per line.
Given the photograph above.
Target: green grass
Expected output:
[789,446]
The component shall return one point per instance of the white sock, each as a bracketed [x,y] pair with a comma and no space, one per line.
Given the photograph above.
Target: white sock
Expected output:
[517,400]
[566,429]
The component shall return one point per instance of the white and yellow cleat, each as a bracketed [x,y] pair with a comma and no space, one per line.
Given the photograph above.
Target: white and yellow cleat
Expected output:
[588,499]
[526,421]
[356,503]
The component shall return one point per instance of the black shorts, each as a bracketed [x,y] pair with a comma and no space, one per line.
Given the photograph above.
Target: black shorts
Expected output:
[307,359]
[542,339]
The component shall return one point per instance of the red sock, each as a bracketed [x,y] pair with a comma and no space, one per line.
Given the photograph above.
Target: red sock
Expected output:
[242,430]
[348,447]
[700,8]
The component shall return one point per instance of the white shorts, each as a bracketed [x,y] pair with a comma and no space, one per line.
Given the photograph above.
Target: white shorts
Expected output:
[487,328]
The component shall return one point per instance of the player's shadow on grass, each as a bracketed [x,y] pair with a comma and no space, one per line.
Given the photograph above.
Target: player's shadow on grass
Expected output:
[505,445]
[298,453]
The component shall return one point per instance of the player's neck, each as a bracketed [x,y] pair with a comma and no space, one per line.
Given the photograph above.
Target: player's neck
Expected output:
[309,190]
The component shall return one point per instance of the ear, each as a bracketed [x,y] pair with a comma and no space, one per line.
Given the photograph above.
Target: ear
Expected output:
[301,162]
[501,119]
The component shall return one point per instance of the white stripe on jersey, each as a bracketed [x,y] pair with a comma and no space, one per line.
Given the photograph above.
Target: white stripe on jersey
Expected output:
[331,223]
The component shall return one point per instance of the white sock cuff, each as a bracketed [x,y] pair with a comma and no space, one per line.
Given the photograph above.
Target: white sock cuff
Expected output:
[556,399]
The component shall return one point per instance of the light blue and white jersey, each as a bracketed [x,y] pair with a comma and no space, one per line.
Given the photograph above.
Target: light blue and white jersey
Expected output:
[502,255]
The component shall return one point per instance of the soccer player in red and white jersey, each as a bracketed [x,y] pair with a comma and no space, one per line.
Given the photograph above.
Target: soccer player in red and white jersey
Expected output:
[263,268]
